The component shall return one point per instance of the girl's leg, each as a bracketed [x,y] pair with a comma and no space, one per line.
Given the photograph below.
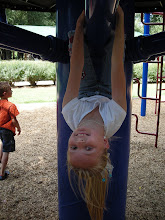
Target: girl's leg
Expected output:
[88,83]
[105,74]
[88,80]
[97,71]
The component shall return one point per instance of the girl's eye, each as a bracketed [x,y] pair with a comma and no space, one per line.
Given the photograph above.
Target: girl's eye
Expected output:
[88,148]
[73,147]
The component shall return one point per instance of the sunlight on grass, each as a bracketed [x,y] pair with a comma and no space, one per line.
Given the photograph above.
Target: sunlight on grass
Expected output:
[48,93]
[151,90]
[34,94]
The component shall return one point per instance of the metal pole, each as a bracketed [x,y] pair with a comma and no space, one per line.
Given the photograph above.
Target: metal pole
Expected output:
[145,69]
[71,207]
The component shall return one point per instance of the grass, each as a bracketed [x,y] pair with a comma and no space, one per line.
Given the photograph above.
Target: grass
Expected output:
[41,94]
[34,94]
[151,90]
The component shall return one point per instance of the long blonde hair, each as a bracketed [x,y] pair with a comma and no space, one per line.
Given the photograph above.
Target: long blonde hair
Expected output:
[93,185]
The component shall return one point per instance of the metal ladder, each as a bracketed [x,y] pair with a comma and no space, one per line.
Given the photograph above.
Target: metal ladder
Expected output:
[158,85]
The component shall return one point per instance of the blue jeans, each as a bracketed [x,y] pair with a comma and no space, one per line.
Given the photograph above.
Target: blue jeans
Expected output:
[7,138]
[96,76]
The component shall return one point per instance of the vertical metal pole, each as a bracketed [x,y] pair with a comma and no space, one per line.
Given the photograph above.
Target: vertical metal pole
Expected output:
[116,202]
[145,69]
[71,207]
[3,15]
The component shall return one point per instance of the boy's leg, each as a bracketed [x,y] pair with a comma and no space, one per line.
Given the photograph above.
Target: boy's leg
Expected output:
[8,146]
[1,150]
[4,161]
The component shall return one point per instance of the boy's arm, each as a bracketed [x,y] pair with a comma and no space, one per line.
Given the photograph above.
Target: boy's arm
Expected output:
[16,124]
[117,67]
[76,62]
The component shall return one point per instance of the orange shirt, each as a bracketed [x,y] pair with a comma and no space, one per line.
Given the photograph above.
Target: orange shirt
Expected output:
[7,111]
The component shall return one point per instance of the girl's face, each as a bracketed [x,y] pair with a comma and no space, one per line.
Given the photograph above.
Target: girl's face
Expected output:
[86,145]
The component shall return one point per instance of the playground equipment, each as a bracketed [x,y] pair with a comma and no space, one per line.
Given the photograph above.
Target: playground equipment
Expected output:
[71,207]
[53,49]
[145,69]
[159,89]
[160,76]
[56,50]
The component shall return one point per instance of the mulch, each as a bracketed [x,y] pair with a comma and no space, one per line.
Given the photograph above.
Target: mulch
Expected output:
[31,190]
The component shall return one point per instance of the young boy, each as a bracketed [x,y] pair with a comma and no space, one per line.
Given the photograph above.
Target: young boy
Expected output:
[8,123]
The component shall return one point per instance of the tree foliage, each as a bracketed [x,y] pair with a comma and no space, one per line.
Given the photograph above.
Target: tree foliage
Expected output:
[30,18]
[139,27]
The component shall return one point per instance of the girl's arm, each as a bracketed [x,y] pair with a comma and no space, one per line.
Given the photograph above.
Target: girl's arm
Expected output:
[76,62]
[117,67]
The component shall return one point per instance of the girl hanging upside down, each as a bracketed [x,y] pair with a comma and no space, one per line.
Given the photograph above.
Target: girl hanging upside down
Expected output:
[94,107]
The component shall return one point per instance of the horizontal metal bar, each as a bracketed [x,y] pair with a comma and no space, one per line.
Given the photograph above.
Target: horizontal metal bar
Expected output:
[49,48]
[150,23]
[153,134]
[137,80]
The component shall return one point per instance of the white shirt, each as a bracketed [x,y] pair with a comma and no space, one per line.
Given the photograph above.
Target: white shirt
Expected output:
[112,114]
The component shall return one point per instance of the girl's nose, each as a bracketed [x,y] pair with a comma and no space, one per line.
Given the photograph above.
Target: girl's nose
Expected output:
[80,140]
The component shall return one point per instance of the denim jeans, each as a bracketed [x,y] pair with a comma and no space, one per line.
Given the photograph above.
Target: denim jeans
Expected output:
[96,76]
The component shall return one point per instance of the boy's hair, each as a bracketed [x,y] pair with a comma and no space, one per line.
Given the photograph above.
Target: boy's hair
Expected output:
[92,184]
[4,86]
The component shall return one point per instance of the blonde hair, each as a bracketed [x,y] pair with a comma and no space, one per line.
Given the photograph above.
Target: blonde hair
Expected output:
[92,185]
[4,87]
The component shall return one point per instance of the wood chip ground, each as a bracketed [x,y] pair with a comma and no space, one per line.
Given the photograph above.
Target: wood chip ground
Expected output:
[31,191]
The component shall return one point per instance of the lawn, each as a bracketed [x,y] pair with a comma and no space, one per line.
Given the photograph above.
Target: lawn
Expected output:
[33,94]
[151,90]
[48,93]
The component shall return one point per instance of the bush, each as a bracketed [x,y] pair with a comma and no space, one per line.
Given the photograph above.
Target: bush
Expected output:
[11,71]
[31,71]
[137,70]
[152,71]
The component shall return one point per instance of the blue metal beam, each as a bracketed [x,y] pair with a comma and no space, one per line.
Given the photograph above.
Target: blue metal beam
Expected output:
[138,49]
[3,15]
[145,69]
[71,207]
[49,48]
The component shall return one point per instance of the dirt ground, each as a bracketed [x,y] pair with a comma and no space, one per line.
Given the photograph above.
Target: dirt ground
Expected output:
[30,192]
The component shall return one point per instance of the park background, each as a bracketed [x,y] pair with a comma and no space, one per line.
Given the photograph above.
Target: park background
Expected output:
[31,191]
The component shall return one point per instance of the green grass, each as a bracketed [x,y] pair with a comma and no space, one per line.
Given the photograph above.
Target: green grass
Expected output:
[151,90]
[48,93]
[34,94]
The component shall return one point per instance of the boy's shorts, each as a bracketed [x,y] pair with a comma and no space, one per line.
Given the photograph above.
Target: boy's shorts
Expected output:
[7,138]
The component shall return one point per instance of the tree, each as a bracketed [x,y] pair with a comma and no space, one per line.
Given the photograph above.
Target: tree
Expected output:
[30,18]
[139,27]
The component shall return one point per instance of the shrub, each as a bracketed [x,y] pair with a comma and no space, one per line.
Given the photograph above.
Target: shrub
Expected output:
[31,71]
[137,70]
[152,71]
[11,71]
